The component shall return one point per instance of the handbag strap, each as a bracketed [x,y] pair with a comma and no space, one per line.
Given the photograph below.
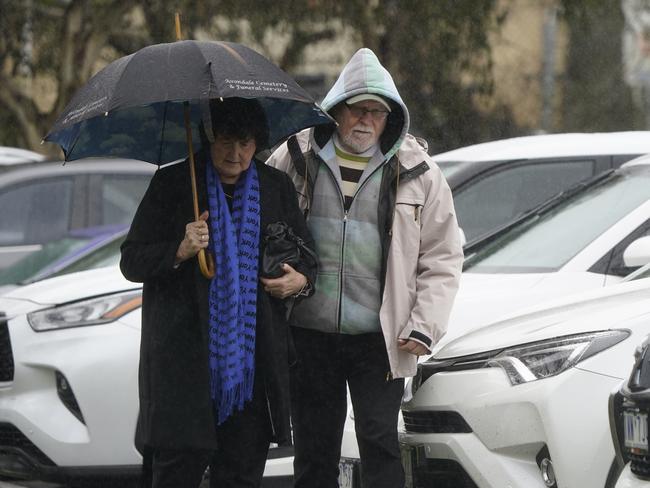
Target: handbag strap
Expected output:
[300,164]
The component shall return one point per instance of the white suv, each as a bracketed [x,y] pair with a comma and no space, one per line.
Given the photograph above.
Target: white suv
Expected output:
[522,402]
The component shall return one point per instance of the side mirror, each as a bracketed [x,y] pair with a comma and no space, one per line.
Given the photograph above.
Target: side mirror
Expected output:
[463,239]
[637,253]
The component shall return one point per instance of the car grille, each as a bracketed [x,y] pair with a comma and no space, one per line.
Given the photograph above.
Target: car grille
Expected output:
[435,422]
[640,465]
[6,356]
[11,437]
[441,473]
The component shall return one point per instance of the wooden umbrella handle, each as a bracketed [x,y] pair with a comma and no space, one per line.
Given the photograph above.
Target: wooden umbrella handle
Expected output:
[206,262]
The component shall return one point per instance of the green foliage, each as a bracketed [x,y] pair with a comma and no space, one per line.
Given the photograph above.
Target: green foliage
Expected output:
[430,47]
[596,97]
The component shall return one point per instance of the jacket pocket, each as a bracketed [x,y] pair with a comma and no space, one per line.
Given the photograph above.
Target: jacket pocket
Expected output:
[414,207]
[406,228]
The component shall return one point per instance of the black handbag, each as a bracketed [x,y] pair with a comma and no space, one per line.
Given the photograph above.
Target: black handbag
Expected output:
[283,246]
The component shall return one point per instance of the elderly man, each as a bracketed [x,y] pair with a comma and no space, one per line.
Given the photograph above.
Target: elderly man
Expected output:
[383,222]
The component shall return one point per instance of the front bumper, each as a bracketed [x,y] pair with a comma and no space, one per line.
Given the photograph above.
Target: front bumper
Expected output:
[505,429]
[42,437]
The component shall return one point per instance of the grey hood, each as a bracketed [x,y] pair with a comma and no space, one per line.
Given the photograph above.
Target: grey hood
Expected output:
[365,74]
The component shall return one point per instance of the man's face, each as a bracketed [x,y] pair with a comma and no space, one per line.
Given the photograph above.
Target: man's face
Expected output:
[231,156]
[360,125]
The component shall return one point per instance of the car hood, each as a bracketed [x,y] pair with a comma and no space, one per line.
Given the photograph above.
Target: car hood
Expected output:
[594,310]
[485,298]
[66,288]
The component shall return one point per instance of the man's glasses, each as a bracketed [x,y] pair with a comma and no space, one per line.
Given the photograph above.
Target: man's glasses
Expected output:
[360,112]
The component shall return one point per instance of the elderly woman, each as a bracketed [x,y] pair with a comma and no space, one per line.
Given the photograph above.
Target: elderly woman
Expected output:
[214,356]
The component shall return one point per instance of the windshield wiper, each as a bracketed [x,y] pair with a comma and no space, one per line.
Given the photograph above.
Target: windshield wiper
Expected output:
[477,243]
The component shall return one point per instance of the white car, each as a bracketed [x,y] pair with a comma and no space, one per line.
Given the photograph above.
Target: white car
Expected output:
[493,182]
[15,155]
[522,403]
[72,351]
[45,201]
[69,381]
[588,237]
[628,479]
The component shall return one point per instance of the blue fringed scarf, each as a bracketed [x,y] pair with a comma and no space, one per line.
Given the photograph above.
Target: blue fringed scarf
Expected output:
[233,290]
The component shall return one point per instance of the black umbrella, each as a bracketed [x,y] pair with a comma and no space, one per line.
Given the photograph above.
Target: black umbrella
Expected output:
[148,105]
[133,107]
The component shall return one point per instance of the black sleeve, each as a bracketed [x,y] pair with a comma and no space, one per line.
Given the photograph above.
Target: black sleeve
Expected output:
[149,250]
[297,222]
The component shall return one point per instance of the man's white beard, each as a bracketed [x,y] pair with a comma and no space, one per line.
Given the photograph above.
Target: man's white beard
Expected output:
[357,142]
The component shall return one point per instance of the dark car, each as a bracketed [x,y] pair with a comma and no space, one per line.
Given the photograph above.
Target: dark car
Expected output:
[494,182]
[42,202]
[629,410]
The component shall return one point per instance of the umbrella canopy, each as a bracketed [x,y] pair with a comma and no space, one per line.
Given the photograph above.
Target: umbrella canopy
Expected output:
[133,107]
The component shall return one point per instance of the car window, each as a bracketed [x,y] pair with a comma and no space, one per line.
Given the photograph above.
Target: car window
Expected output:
[498,197]
[121,195]
[35,262]
[36,212]
[107,255]
[547,242]
[612,262]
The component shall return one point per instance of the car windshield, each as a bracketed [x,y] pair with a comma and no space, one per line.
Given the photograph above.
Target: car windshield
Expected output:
[449,168]
[545,242]
[36,262]
[107,255]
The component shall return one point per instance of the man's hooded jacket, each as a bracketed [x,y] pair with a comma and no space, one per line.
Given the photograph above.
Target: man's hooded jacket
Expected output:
[392,261]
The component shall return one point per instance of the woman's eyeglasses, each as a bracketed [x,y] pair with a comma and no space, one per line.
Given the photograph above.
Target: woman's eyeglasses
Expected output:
[360,112]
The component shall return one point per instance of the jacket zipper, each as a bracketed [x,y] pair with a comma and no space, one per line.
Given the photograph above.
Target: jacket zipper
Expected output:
[340,297]
[345,222]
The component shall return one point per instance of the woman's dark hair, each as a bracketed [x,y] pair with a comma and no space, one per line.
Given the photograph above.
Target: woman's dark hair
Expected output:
[240,118]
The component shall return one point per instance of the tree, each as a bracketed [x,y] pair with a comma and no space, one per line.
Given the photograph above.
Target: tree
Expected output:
[432,49]
[596,98]
[70,40]
[429,47]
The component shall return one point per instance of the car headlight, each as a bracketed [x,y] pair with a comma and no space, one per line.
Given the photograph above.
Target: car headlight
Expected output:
[547,358]
[94,311]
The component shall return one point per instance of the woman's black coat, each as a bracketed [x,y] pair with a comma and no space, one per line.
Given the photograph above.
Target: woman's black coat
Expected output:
[175,405]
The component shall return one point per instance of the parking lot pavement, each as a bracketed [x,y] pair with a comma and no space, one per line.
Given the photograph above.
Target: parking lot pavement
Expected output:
[28,484]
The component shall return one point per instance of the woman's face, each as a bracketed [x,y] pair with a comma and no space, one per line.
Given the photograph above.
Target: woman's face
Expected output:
[231,156]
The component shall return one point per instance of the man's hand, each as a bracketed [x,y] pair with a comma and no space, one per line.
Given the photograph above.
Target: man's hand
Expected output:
[411,346]
[285,286]
[196,237]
